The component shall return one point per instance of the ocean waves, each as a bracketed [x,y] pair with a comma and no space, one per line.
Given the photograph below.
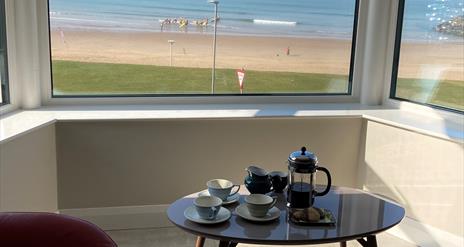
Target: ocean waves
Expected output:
[274,22]
[328,18]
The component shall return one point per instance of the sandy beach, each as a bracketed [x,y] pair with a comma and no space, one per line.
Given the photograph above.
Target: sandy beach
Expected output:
[310,55]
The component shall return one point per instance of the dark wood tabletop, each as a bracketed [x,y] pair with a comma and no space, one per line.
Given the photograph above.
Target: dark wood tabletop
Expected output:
[358,214]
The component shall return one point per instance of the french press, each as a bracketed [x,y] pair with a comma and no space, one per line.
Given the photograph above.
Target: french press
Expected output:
[302,168]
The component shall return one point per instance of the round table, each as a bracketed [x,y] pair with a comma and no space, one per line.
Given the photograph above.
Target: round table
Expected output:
[359,216]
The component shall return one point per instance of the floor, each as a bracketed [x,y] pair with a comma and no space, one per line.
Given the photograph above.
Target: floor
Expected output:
[173,237]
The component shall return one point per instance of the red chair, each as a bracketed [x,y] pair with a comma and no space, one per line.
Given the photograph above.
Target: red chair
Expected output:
[50,230]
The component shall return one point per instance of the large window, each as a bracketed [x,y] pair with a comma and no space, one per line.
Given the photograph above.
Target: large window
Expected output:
[163,47]
[4,92]
[430,53]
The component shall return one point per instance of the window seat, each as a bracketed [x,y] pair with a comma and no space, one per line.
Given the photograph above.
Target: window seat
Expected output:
[21,122]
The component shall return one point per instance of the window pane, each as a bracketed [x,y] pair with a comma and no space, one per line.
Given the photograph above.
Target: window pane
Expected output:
[431,62]
[161,47]
[4,92]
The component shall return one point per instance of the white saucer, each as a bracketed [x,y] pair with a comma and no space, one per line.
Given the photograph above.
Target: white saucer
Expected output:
[243,212]
[192,214]
[230,199]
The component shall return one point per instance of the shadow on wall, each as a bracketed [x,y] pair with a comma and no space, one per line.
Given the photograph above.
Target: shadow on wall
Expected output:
[422,173]
[378,186]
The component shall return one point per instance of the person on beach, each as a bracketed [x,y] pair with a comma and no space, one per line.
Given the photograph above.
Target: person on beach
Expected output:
[165,22]
[201,23]
[204,23]
[63,40]
[287,51]
[183,22]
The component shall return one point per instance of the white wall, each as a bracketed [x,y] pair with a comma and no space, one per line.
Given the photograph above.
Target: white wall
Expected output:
[28,172]
[423,173]
[105,164]
[131,163]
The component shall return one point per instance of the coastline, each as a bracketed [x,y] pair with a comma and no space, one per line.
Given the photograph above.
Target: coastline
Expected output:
[205,31]
[261,53]
[331,56]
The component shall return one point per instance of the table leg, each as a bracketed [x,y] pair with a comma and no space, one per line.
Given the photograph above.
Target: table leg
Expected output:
[227,244]
[200,241]
[343,244]
[370,241]
[223,243]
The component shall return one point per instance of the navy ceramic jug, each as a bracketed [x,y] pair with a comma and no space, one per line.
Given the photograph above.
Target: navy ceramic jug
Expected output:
[258,181]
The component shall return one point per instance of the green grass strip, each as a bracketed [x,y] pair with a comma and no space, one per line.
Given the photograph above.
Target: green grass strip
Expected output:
[82,78]
[105,78]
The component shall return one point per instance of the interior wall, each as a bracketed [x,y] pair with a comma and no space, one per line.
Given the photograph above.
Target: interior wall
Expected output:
[423,173]
[126,163]
[28,179]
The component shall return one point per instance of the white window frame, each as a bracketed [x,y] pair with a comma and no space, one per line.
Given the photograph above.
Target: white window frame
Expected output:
[389,102]
[13,86]
[373,61]
[47,98]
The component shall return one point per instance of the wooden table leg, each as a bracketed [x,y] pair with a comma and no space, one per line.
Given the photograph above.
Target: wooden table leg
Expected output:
[200,241]
[343,244]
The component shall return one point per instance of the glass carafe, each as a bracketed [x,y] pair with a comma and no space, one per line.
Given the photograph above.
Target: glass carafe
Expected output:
[302,168]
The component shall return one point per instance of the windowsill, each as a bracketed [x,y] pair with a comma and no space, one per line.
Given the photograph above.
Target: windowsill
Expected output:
[21,122]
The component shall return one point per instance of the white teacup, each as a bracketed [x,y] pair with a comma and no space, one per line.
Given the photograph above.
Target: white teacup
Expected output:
[258,204]
[221,188]
[207,206]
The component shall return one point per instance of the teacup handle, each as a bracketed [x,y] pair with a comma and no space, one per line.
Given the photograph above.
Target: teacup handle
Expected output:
[273,202]
[238,188]
[213,212]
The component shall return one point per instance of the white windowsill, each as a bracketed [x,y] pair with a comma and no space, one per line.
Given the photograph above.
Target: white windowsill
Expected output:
[21,122]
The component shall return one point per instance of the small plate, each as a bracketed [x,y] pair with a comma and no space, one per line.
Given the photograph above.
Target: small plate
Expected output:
[230,199]
[327,219]
[243,212]
[192,214]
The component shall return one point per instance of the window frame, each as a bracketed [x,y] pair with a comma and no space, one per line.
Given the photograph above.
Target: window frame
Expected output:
[29,80]
[396,63]
[15,94]
[3,37]
[351,96]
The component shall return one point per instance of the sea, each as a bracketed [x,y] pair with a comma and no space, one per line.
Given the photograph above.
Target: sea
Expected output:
[290,18]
